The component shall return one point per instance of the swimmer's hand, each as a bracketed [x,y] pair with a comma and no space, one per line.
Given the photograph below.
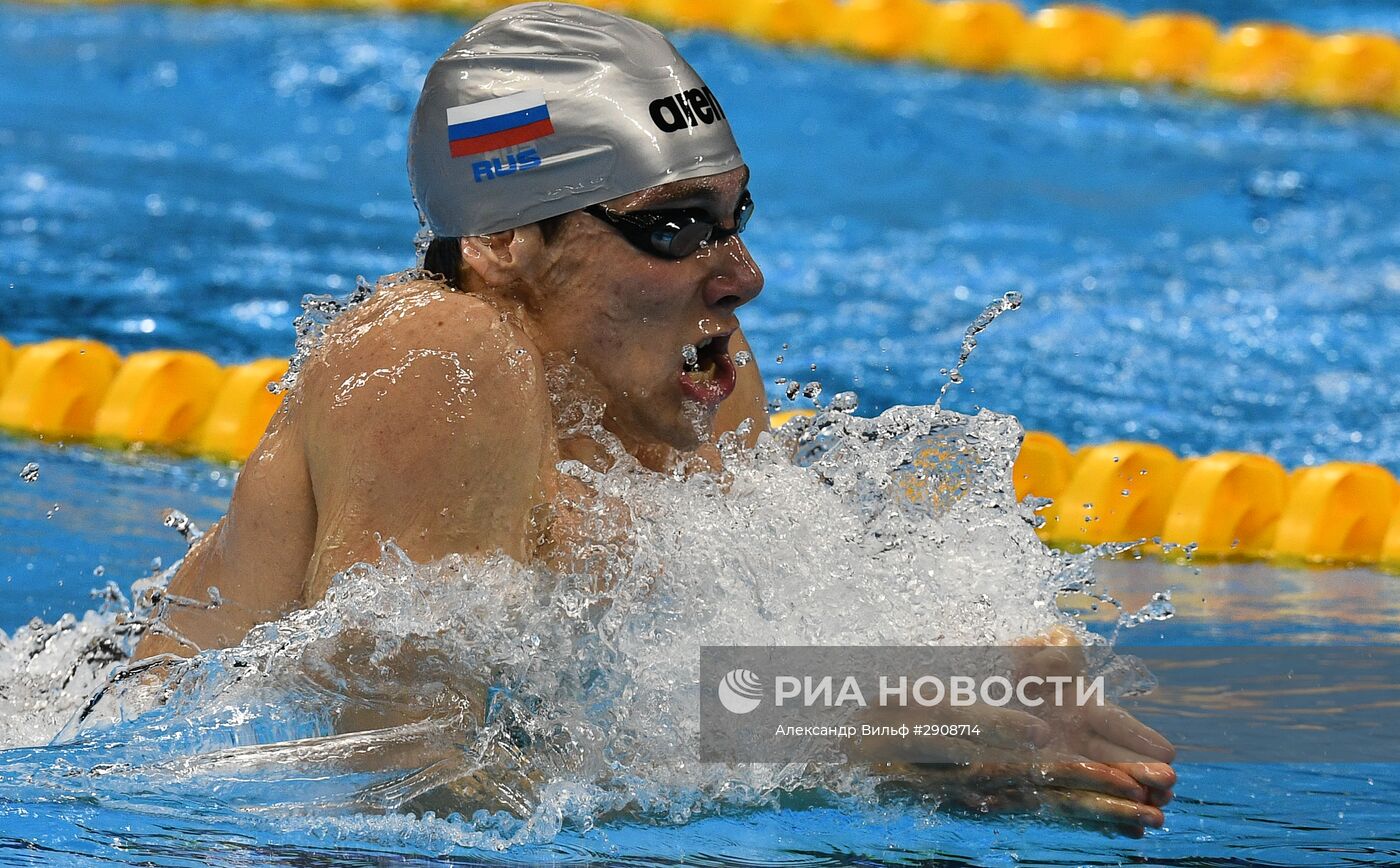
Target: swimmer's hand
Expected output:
[1062,787]
[977,732]
[1008,765]
[1105,734]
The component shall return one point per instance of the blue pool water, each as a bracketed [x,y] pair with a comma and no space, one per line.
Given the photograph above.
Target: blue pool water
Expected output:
[1196,273]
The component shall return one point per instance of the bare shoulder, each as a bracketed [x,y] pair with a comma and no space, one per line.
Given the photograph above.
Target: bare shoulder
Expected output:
[422,347]
[398,326]
[427,420]
[421,370]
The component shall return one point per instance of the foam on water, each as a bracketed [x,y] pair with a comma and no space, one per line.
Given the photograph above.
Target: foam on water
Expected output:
[559,699]
[527,700]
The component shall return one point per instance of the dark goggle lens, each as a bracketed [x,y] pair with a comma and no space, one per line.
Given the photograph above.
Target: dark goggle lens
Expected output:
[678,239]
[743,213]
[673,234]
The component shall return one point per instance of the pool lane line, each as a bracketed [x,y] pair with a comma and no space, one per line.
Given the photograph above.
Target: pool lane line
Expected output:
[1228,504]
[176,400]
[1223,506]
[1257,60]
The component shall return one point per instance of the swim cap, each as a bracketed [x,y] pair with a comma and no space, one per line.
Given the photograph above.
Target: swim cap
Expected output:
[545,108]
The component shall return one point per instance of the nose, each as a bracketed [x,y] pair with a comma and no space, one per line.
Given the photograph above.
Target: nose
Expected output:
[735,279]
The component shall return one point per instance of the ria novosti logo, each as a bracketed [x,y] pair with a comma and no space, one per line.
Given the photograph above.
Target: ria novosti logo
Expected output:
[740,691]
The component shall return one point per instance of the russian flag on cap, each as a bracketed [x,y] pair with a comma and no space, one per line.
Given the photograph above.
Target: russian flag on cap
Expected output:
[497,123]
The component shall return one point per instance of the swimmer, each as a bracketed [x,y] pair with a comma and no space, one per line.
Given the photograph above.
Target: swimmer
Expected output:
[586,198]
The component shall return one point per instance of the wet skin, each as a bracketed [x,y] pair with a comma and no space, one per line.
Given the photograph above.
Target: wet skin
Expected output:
[436,418]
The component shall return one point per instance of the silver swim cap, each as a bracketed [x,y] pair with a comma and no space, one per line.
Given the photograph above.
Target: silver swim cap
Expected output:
[545,108]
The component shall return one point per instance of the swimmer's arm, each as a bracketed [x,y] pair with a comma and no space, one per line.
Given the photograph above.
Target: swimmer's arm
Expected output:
[748,402]
[256,581]
[432,430]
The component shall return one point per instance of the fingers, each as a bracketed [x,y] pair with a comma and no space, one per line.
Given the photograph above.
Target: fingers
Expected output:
[995,728]
[1122,815]
[1099,749]
[1073,774]
[1153,775]
[1006,774]
[1094,777]
[1107,813]
[1109,799]
[1001,727]
[916,745]
[1121,728]
[1159,798]
[1158,778]
[999,802]
[929,750]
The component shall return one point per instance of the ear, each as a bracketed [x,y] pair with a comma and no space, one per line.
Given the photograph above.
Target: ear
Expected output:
[505,258]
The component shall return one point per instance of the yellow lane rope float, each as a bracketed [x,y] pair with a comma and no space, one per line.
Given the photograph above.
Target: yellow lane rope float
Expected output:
[1064,42]
[1254,60]
[1230,504]
[174,399]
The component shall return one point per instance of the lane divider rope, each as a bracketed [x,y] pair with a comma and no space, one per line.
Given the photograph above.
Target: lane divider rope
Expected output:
[1231,504]
[177,400]
[1258,60]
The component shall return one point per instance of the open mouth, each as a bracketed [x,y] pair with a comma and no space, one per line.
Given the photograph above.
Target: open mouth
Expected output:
[707,372]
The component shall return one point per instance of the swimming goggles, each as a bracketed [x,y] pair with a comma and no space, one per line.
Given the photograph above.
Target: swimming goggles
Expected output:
[673,233]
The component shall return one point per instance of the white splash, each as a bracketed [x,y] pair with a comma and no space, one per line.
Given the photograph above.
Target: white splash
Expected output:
[517,701]
[552,700]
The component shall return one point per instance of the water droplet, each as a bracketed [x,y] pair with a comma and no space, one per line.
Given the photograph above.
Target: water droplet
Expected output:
[1159,608]
[845,402]
[1009,301]
[742,359]
[30,472]
[812,390]
[99,570]
[690,354]
[176,519]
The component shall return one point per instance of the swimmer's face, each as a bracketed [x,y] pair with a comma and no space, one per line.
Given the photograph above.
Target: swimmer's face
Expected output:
[627,316]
